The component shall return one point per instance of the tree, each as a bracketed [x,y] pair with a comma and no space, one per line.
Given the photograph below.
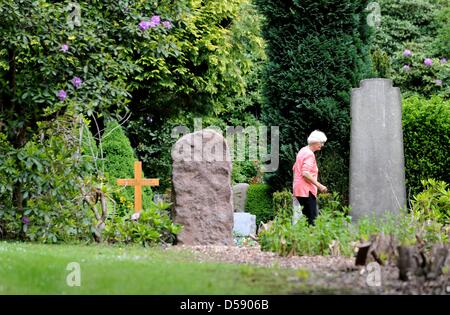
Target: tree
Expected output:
[101,58]
[317,51]
[49,67]
[221,55]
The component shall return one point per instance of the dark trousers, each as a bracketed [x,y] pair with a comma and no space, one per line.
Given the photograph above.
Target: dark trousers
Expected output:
[309,207]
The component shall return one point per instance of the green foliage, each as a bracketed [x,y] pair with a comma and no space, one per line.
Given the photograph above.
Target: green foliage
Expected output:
[433,203]
[118,154]
[422,27]
[301,238]
[406,227]
[119,161]
[282,203]
[197,65]
[235,60]
[402,226]
[333,232]
[381,66]
[34,68]
[153,226]
[332,202]
[316,51]
[51,181]
[244,172]
[412,76]
[259,202]
[88,147]
[405,21]
[442,39]
[426,134]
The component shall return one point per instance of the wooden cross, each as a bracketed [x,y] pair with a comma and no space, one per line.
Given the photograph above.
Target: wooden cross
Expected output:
[138,182]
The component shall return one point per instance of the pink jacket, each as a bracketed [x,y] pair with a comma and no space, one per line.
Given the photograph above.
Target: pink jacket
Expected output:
[306,161]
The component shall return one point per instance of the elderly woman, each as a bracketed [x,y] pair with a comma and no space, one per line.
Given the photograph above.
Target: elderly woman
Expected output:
[305,169]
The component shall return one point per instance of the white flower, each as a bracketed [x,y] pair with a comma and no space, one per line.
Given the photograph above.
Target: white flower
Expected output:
[135,216]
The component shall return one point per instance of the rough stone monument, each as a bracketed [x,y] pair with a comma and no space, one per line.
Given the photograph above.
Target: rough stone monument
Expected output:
[377,174]
[202,189]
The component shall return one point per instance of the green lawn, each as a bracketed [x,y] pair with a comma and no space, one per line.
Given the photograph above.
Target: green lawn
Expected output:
[41,269]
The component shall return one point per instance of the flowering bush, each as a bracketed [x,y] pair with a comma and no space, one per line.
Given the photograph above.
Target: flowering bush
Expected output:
[416,73]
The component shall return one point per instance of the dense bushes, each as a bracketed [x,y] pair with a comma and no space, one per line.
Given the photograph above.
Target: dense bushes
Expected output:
[224,89]
[259,202]
[433,203]
[426,133]
[316,53]
[412,31]
[52,178]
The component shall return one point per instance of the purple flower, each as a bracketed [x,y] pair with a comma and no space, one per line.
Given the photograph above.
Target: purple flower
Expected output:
[62,95]
[406,68]
[407,53]
[25,220]
[156,19]
[144,25]
[443,60]
[428,62]
[76,81]
[438,82]
[64,48]
[167,24]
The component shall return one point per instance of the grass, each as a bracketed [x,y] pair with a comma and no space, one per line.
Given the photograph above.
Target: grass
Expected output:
[27,268]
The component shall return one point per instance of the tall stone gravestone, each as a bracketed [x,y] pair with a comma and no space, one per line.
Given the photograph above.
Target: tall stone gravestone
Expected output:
[202,198]
[377,174]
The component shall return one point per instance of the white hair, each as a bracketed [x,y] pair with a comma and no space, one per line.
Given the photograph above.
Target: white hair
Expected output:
[316,136]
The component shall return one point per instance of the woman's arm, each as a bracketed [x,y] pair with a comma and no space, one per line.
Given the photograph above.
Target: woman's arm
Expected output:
[308,176]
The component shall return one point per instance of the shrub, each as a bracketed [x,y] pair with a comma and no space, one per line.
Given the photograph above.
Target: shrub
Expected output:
[153,226]
[426,134]
[119,161]
[333,228]
[244,172]
[414,77]
[282,203]
[301,238]
[309,76]
[433,203]
[259,202]
[420,26]
[53,208]
[332,202]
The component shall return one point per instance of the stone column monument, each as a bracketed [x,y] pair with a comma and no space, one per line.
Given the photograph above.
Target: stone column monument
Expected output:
[377,174]
[203,200]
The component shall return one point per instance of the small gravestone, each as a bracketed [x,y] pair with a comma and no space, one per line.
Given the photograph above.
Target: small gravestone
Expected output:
[377,174]
[244,224]
[202,189]
[240,196]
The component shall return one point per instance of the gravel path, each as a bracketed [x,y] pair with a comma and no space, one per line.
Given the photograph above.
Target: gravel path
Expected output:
[337,273]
